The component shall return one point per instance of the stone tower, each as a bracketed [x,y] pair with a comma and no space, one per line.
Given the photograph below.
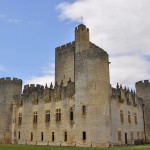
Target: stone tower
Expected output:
[92,107]
[8,88]
[81,38]
[143,91]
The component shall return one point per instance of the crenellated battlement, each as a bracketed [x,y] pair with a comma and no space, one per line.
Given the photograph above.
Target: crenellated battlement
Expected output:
[32,88]
[125,95]
[53,91]
[65,47]
[9,80]
[143,83]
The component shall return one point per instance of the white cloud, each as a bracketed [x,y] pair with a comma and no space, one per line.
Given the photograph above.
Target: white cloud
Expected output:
[46,78]
[6,18]
[128,69]
[42,80]
[123,28]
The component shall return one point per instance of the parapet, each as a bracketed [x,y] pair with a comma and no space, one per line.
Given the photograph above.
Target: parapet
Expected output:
[65,47]
[32,87]
[81,27]
[143,83]
[125,95]
[9,80]
[49,94]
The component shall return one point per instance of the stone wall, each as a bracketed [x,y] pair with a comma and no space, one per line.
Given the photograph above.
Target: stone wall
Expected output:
[127,102]
[64,63]
[40,99]
[143,91]
[8,88]
[92,92]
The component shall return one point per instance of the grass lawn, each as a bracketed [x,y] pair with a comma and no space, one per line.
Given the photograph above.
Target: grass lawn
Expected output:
[33,147]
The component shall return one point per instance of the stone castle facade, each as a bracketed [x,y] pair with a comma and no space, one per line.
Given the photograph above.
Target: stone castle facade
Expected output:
[81,109]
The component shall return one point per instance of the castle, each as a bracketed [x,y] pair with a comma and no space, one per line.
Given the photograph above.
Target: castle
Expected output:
[81,109]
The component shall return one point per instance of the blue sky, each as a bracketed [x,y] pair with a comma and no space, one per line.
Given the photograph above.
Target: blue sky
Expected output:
[31,29]
[29,32]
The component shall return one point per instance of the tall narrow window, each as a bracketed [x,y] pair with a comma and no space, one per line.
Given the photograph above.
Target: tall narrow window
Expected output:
[121,116]
[135,118]
[19,135]
[84,110]
[42,136]
[47,116]
[119,135]
[31,136]
[138,135]
[71,114]
[84,136]
[129,117]
[58,115]
[131,135]
[20,119]
[35,115]
[65,136]
[53,137]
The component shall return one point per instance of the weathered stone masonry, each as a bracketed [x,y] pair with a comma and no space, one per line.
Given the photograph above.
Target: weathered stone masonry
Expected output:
[81,109]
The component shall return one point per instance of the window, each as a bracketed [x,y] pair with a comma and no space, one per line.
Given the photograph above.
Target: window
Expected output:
[19,135]
[58,115]
[131,135]
[35,115]
[47,116]
[31,136]
[42,136]
[142,135]
[84,136]
[53,137]
[84,110]
[129,117]
[138,135]
[65,136]
[20,119]
[119,135]
[121,116]
[135,118]
[71,114]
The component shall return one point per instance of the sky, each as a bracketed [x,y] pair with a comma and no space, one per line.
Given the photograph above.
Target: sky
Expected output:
[30,30]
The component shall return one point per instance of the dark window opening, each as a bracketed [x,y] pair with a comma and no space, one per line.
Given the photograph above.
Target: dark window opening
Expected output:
[65,136]
[35,118]
[53,137]
[83,110]
[71,114]
[31,136]
[58,115]
[121,116]
[84,136]
[19,135]
[20,119]
[47,117]
[42,136]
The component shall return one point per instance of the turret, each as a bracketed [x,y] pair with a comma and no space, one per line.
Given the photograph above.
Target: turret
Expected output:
[91,90]
[143,91]
[81,38]
[8,88]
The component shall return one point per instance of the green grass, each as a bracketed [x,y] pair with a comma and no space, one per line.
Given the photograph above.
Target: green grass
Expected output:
[33,147]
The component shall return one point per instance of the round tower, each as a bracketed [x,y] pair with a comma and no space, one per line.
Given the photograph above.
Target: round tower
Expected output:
[143,91]
[92,117]
[8,88]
